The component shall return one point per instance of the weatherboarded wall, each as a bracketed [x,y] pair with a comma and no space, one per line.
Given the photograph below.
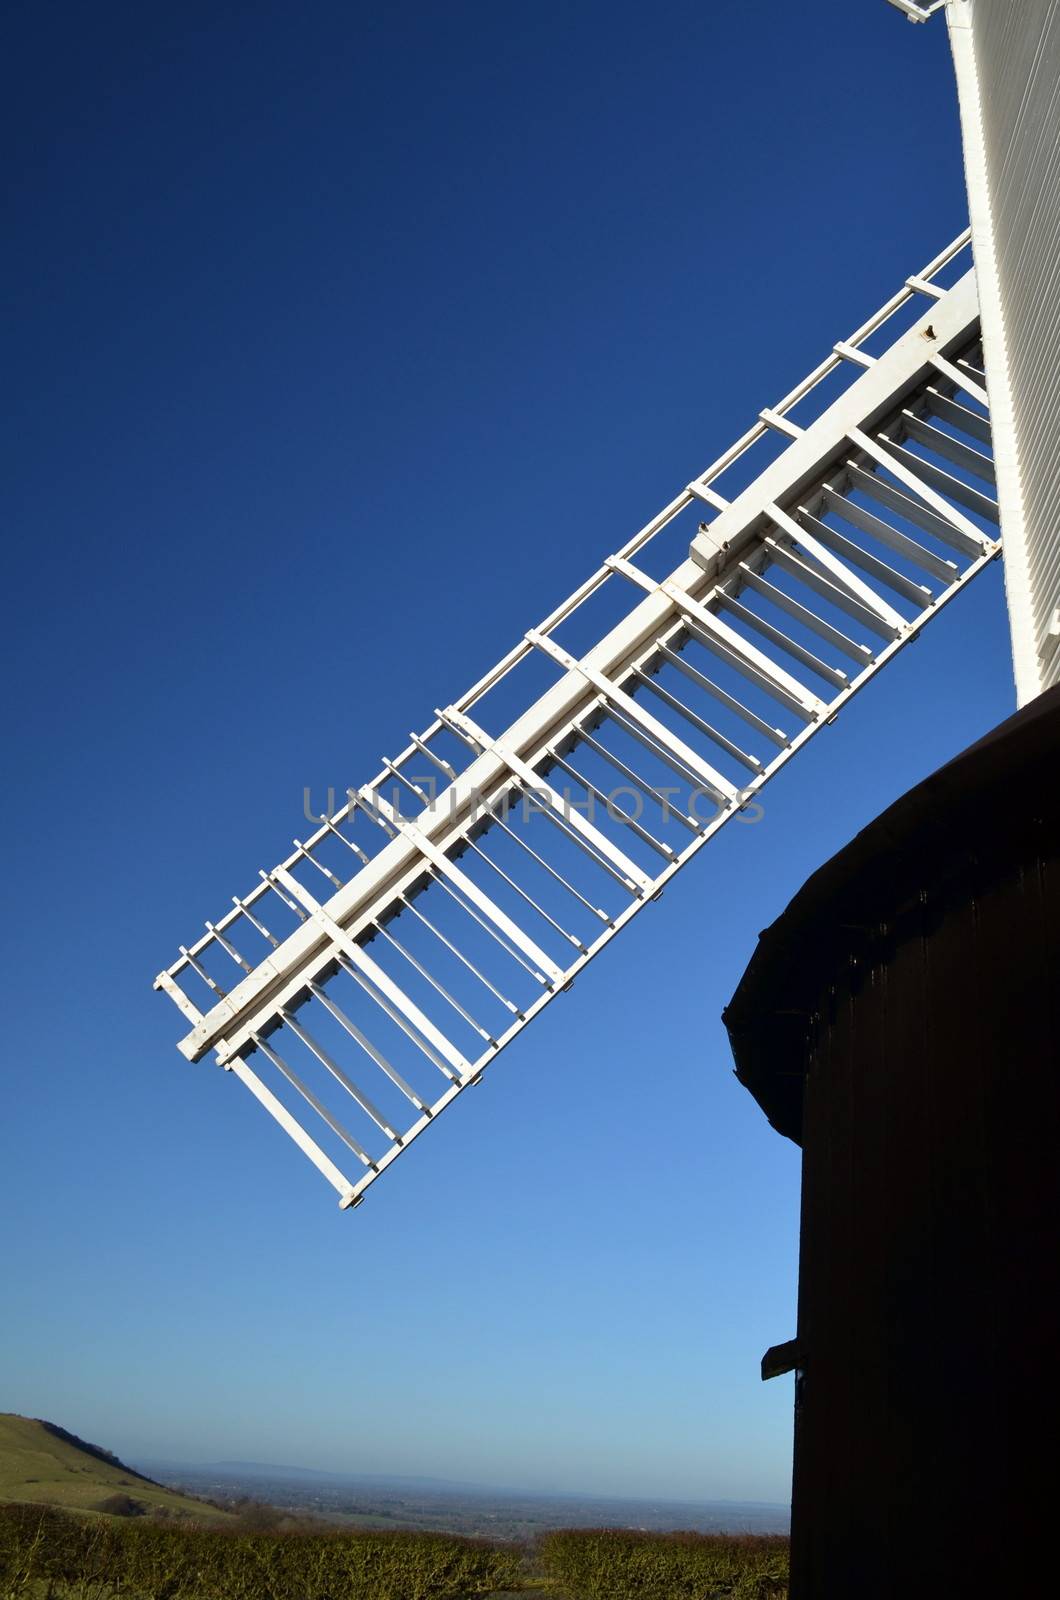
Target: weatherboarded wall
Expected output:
[901,1021]
[1007,56]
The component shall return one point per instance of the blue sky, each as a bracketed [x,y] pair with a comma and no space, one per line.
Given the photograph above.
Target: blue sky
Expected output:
[341,344]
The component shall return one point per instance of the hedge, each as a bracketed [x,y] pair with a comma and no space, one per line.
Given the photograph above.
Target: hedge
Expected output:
[148,1561]
[620,1564]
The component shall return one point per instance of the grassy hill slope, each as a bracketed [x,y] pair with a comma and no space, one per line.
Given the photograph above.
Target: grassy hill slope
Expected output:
[42,1463]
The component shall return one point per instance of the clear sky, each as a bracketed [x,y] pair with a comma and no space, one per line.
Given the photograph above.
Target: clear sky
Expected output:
[341,342]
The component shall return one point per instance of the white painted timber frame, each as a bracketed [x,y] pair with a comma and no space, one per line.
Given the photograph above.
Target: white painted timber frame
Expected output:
[876,512]
[1006,57]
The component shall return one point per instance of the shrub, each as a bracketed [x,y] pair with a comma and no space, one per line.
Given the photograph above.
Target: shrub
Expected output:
[156,1561]
[619,1564]
[121,1505]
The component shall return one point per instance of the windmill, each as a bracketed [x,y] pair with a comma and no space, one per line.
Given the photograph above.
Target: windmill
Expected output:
[373,974]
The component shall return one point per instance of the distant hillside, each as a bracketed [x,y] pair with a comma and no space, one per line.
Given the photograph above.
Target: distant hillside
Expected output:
[41,1462]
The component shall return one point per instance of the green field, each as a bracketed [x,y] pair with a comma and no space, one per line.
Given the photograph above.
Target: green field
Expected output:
[44,1465]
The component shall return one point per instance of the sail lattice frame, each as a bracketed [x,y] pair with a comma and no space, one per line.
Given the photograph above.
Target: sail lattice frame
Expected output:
[419,927]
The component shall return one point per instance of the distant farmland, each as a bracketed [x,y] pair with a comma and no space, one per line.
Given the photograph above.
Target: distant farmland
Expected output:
[432,1505]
